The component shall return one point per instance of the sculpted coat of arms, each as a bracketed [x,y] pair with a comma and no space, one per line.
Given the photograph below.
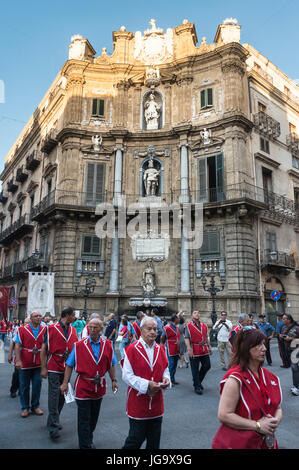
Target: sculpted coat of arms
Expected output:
[154,47]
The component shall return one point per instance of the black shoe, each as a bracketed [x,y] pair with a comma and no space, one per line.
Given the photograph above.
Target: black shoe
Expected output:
[201,387]
[13,395]
[270,364]
[198,391]
[54,435]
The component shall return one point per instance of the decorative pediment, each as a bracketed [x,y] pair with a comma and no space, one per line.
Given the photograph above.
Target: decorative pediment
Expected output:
[21,196]
[32,187]
[97,148]
[207,140]
[49,170]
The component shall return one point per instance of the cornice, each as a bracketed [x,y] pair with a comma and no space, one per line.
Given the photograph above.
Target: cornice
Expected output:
[268,160]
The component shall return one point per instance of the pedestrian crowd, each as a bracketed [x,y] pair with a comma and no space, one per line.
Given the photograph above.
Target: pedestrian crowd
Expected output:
[150,349]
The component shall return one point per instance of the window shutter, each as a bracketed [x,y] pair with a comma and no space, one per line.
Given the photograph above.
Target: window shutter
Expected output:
[211,244]
[94,106]
[209,96]
[91,245]
[90,183]
[202,99]
[87,243]
[101,108]
[98,107]
[95,245]
[219,177]
[100,187]
[202,180]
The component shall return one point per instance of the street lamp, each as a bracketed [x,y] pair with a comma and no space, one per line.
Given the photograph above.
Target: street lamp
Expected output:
[213,291]
[85,291]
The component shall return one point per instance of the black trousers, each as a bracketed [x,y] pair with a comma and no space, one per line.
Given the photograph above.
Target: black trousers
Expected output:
[14,381]
[144,429]
[199,374]
[268,352]
[88,414]
[55,400]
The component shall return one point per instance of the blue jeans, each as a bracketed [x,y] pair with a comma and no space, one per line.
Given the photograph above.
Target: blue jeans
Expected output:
[25,377]
[199,374]
[173,362]
[3,337]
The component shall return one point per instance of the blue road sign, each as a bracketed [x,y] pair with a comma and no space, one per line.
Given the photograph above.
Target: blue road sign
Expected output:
[275,295]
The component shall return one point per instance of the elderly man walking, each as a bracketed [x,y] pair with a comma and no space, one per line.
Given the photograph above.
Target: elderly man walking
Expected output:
[59,341]
[28,344]
[92,358]
[242,322]
[145,371]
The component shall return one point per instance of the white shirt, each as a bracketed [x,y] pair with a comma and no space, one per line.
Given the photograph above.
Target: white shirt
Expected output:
[134,381]
[223,332]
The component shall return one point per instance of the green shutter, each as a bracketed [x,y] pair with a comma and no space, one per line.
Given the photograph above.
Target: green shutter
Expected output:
[90,183]
[219,177]
[100,183]
[211,244]
[202,180]
[94,106]
[202,99]
[87,241]
[98,107]
[209,96]
[91,245]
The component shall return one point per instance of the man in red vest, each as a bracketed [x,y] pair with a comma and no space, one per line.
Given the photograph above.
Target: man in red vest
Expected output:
[171,336]
[28,344]
[92,358]
[244,320]
[59,341]
[136,324]
[5,327]
[145,371]
[199,350]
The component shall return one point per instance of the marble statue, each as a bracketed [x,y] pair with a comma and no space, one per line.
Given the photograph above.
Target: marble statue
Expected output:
[148,278]
[151,112]
[97,142]
[151,179]
[205,136]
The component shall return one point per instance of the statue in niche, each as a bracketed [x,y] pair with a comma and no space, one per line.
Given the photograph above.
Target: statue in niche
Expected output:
[151,178]
[148,278]
[152,111]
[97,142]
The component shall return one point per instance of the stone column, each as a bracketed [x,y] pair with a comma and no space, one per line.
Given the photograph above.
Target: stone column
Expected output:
[114,265]
[185,268]
[184,173]
[118,172]
[74,95]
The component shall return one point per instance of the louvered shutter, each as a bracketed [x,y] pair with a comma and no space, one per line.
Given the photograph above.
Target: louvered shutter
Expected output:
[209,101]
[202,180]
[99,184]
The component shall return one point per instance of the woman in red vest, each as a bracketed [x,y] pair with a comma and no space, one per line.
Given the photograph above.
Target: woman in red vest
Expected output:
[249,407]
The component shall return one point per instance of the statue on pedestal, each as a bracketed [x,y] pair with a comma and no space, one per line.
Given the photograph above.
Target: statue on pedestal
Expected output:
[148,278]
[151,179]
[151,112]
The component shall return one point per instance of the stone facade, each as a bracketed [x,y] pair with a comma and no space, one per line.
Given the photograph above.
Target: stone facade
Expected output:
[218,124]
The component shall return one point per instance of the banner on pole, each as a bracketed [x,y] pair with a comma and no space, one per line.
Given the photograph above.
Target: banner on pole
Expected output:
[4,295]
[41,293]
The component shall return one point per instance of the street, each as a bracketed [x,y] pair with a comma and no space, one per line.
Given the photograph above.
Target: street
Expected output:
[190,420]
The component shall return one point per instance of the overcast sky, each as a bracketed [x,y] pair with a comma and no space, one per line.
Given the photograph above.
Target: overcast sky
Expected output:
[35,36]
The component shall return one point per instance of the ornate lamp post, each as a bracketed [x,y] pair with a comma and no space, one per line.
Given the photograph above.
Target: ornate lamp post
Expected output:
[85,291]
[213,291]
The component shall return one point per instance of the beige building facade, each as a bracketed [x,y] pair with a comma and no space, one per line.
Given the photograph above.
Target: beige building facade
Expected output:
[165,122]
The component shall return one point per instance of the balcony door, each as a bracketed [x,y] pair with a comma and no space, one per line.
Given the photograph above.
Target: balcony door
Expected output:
[211,179]
[95,183]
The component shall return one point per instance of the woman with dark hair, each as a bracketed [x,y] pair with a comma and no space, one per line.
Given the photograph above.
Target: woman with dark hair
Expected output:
[249,407]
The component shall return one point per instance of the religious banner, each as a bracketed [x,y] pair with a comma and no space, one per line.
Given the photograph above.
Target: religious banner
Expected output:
[4,295]
[41,293]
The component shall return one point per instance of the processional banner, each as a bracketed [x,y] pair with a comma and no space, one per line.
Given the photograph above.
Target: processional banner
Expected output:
[41,293]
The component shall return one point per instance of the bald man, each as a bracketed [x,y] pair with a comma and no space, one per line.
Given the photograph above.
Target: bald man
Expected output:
[92,358]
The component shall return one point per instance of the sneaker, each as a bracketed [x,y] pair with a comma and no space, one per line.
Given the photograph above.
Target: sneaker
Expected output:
[54,435]
[295,391]
[13,395]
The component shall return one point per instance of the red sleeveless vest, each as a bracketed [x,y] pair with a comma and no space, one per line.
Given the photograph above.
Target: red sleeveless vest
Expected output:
[88,368]
[173,340]
[137,329]
[198,337]
[144,406]
[236,328]
[31,346]
[58,344]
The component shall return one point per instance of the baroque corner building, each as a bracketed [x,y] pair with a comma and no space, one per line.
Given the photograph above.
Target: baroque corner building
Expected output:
[162,120]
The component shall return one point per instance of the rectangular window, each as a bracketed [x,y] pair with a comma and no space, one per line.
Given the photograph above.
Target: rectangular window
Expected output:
[211,244]
[264,145]
[271,241]
[91,246]
[27,248]
[95,183]
[295,162]
[211,178]
[43,246]
[98,107]
[206,98]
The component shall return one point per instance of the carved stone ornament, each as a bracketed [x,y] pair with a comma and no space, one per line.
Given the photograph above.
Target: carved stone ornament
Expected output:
[97,148]
[154,47]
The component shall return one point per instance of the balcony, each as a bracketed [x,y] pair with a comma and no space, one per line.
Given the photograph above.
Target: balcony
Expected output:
[33,160]
[90,266]
[22,175]
[40,262]
[20,227]
[293,143]
[266,125]
[277,262]
[3,199]
[12,187]
[49,142]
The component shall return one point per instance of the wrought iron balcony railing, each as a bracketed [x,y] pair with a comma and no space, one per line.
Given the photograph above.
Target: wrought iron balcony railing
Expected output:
[23,223]
[90,266]
[293,143]
[277,259]
[266,125]
[33,160]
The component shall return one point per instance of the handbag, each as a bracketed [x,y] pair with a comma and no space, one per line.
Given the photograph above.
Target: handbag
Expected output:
[229,438]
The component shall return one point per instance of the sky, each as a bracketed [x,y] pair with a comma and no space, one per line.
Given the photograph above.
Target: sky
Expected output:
[35,35]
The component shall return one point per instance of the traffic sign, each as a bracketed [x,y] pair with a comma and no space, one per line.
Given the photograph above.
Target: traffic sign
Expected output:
[275,295]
